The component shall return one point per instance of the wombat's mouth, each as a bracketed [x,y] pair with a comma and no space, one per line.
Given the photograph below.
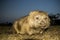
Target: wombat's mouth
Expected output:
[43,27]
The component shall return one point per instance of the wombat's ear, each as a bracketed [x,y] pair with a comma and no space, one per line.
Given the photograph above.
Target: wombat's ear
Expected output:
[32,12]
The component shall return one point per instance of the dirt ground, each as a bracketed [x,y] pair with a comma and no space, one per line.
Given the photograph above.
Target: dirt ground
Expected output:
[52,33]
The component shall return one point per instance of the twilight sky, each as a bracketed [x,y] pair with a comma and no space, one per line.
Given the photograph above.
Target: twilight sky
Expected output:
[13,9]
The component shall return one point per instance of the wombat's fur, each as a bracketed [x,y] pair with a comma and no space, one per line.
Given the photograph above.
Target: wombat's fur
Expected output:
[35,19]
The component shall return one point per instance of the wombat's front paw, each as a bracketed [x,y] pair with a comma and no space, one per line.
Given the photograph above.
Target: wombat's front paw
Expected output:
[41,32]
[30,33]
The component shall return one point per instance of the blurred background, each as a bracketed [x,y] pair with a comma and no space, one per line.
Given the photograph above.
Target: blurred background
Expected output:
[14,9]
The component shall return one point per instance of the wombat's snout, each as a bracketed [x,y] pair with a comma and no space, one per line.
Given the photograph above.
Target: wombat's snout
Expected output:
[42,22]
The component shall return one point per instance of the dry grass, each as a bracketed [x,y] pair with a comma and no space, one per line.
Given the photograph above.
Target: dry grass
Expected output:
[53,33]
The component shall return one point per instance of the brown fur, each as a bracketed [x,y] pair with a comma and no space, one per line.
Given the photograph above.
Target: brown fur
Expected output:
[35,19]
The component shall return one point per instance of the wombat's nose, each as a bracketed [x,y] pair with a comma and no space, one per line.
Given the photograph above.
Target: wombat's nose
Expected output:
[42,23]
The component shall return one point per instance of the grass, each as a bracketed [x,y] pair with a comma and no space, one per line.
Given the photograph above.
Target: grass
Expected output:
[53,33]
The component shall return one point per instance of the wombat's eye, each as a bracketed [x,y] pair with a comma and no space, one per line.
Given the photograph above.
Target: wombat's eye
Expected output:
[37,18]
